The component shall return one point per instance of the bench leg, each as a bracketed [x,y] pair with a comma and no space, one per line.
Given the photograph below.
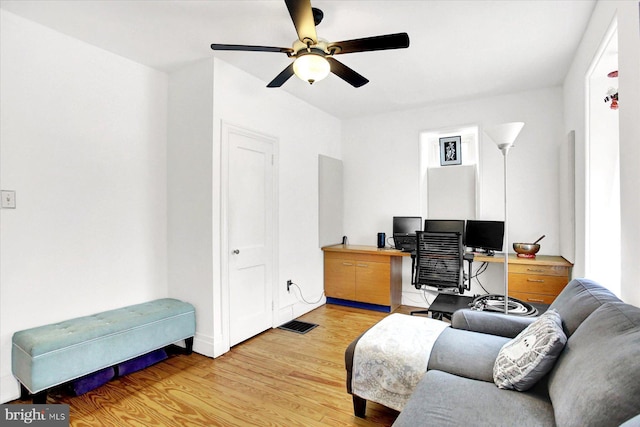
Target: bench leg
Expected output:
[40,398]
[24,393]
[176,349]
[359,406]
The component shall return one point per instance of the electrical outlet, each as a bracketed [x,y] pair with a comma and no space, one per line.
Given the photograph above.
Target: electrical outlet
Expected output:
[289,282]
[8,199]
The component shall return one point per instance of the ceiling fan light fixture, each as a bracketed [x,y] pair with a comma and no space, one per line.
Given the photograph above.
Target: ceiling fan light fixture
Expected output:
[311,67]
[314,58]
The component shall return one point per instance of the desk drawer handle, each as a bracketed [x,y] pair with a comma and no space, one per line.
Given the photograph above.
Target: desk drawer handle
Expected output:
[347,263]
[363,265]
[534,270]
[535,300]
[535,280]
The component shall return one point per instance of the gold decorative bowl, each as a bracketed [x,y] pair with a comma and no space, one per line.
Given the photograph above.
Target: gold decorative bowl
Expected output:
[530,249]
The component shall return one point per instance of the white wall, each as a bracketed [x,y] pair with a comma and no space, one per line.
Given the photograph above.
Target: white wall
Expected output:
[381,170]
[574,114]
[190,194]
[83,145]
[302,132]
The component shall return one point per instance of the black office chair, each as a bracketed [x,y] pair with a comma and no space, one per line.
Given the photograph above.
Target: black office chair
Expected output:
[439,263]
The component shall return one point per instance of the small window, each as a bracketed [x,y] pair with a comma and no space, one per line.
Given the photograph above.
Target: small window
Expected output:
[469,145]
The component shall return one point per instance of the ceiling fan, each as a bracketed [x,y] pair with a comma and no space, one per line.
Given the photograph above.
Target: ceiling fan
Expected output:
[314,57]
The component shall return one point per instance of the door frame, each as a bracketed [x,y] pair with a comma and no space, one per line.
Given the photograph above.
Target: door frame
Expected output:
[592,138]
[226,129]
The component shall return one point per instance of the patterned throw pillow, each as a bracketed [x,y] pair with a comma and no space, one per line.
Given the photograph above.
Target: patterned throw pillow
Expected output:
[527,358]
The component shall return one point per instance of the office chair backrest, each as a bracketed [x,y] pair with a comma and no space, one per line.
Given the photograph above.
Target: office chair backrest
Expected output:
[439,261]
[445,226]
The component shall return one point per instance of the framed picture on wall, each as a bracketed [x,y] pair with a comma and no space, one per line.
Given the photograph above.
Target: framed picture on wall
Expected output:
[450,151]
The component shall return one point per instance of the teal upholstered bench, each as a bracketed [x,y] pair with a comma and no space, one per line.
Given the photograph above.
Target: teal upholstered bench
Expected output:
[51,355]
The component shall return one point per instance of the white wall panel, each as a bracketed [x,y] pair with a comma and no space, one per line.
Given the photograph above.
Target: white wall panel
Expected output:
[331,210]
[452,192]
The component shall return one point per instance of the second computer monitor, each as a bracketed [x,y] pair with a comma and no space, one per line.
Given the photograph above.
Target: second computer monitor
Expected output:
[445,226]
[484,235]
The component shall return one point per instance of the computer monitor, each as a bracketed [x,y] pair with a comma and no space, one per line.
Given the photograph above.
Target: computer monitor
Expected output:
[404,232]
[445,226]
[484,235]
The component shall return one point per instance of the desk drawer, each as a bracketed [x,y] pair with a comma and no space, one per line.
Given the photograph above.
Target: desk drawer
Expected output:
[357,257]
[537,283]
[543,270]
[532,298]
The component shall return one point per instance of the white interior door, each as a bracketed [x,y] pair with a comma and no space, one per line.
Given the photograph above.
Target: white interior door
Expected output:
[250,221]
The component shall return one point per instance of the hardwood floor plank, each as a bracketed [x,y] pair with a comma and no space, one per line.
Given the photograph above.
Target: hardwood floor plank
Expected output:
[278,378]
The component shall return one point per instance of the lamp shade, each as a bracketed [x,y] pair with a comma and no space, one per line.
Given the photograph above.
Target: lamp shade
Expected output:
[505,134]
[311,67]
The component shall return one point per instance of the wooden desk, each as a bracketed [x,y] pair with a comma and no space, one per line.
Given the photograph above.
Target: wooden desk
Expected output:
[534,280]
[363,276]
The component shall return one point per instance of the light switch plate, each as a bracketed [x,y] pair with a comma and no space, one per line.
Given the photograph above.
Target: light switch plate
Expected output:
[8,199]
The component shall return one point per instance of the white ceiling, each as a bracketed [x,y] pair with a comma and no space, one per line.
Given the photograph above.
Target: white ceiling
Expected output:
[458,48]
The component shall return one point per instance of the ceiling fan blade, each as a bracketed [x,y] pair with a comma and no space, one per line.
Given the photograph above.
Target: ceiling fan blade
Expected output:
[302,17]
[244,47]
[387,41]
[282,77]
[346,73]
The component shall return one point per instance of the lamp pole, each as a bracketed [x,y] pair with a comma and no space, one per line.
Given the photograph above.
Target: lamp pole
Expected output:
[504,136]
[505,151]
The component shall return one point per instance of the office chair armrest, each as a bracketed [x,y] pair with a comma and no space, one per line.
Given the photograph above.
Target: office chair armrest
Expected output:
[490,322]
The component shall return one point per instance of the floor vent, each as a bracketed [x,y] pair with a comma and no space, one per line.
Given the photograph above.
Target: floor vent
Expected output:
[298,326]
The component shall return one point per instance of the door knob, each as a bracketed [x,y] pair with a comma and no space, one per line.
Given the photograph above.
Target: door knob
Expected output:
[236,251]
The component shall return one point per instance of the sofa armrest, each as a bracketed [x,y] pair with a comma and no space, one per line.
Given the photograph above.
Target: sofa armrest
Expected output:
[490,323]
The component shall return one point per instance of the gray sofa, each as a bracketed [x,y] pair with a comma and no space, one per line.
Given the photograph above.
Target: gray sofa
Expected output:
[594,382]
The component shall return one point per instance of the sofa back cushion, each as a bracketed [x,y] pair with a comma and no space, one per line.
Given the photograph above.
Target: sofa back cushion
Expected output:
[578,300]
[596,380]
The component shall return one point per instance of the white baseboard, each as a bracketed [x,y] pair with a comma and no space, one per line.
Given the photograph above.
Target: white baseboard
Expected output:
[283,316]
[203,344]
[290,312]
[302,308]
[9,389]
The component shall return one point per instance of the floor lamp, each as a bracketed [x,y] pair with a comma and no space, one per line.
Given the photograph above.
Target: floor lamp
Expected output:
[504,136]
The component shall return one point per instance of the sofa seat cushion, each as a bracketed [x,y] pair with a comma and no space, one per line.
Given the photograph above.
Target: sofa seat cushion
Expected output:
[466,354]
[527,358]
[578,300]
[596,380]
[444,400]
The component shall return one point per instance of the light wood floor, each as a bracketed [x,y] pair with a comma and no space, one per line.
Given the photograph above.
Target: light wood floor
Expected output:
[278,378]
